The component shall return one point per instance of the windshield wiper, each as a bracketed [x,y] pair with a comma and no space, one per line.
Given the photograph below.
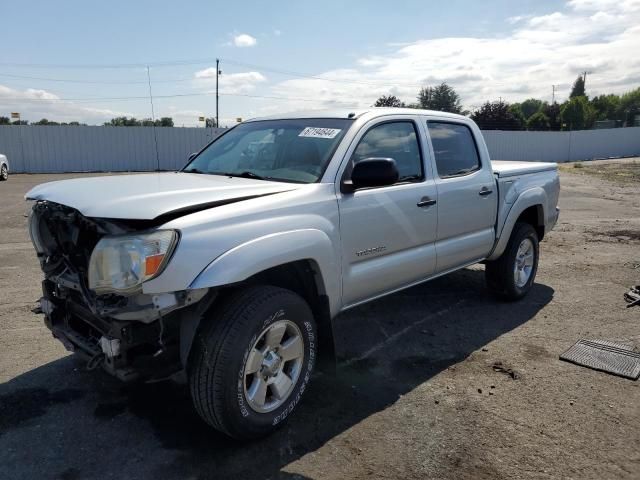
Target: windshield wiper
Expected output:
[245,174]
[195,170]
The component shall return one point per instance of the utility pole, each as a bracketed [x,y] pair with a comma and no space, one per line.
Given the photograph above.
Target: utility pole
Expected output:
[553,94]
[217,75]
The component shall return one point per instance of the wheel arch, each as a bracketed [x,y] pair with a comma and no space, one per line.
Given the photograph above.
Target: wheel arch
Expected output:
[528,208]
[302,261]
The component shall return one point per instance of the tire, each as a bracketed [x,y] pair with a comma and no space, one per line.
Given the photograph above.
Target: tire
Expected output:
[225,350]
[501,275]
[4,173]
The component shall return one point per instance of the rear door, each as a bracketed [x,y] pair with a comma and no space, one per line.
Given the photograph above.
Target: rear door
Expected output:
[388,233]
[467,196]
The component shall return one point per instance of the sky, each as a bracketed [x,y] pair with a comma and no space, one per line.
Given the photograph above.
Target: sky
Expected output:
[87,61]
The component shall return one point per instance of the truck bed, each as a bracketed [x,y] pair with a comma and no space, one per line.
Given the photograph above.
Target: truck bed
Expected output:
[503,168]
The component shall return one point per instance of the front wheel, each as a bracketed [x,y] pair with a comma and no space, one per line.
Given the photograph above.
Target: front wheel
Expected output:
[511,276]
[4,173]
[252,361]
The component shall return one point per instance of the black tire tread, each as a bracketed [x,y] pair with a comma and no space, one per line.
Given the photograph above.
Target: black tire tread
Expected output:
[212,351]
[498,273]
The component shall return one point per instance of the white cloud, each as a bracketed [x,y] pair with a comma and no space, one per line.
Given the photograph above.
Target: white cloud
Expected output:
[242,82]
[599,36]
[244,40]
[34,104]
[517,18]
[277,32]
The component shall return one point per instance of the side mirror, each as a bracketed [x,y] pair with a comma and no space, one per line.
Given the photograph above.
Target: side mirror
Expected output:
[371,172]
[192,156]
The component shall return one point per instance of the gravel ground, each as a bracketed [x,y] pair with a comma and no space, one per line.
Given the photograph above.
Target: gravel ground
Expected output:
[439,381]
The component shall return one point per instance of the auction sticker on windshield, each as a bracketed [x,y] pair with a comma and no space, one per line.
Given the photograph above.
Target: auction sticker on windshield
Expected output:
[317,132]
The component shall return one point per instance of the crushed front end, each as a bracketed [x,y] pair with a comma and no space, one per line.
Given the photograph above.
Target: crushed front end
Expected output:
[92,292]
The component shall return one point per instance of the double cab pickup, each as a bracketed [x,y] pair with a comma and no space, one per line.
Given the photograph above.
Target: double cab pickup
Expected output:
[231,272]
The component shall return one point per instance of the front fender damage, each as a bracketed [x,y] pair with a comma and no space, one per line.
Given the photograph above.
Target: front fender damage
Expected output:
[135,336]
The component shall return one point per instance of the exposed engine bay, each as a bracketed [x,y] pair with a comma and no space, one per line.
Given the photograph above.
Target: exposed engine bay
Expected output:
[129,333]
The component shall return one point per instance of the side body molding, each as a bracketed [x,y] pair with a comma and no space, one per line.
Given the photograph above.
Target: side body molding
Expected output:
[536,196]
[257,255]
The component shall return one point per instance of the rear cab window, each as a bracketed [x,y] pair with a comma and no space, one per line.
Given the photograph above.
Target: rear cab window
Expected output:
[454,149]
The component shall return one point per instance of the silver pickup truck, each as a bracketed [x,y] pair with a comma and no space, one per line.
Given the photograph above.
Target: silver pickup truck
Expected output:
[230,272]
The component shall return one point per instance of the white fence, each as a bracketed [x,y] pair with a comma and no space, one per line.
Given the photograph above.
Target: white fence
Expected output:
[53,149]
[563,146]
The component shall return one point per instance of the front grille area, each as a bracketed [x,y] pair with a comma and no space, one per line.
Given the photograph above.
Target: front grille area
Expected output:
[63,238]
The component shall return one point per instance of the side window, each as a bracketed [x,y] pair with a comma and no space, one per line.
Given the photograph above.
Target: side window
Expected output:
[454,149]
[397,140]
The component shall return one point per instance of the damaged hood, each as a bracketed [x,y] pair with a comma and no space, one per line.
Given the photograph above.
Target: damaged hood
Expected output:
[148,196]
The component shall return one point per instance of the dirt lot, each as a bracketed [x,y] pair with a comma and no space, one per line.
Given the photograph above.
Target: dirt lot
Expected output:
[416,396]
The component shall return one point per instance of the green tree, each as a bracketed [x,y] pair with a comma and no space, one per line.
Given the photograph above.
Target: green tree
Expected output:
[44,121]
[516,110]
[210,122]
[5,121]
[530,106]
[123,122]
[552,111]
[538,121]
[496,116]
[388,101]
[630,107]
[606,107]
[442,98]
[578,88]
[577,114]
[165,122]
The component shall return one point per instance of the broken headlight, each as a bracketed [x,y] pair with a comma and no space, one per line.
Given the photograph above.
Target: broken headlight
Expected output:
[120,263]
[34,232]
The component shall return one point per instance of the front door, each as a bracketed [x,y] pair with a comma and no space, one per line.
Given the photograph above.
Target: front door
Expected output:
[388,233]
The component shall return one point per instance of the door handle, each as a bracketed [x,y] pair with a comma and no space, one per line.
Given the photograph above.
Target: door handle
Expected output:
[485,191]
[426,202]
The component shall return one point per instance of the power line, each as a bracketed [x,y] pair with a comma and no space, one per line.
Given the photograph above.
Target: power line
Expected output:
[146,97]
[317,77]
[205,61]
[95,82]
[106,66]
[172,63]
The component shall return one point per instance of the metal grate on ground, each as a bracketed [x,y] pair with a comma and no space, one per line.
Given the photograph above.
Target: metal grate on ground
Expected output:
[605,356]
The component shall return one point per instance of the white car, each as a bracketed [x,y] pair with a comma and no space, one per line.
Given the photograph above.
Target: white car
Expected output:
[4,168]
[233,269]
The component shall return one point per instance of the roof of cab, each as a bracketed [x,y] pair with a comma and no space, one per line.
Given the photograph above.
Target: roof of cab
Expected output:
[354,113]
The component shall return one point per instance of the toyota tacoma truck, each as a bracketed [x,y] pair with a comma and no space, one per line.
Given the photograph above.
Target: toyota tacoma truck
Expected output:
[231,271]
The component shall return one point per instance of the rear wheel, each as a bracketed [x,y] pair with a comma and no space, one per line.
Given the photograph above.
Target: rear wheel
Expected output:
[4,173]
[252,362]
[512,275]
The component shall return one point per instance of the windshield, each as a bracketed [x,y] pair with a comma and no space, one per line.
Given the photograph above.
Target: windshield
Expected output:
[283,150]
